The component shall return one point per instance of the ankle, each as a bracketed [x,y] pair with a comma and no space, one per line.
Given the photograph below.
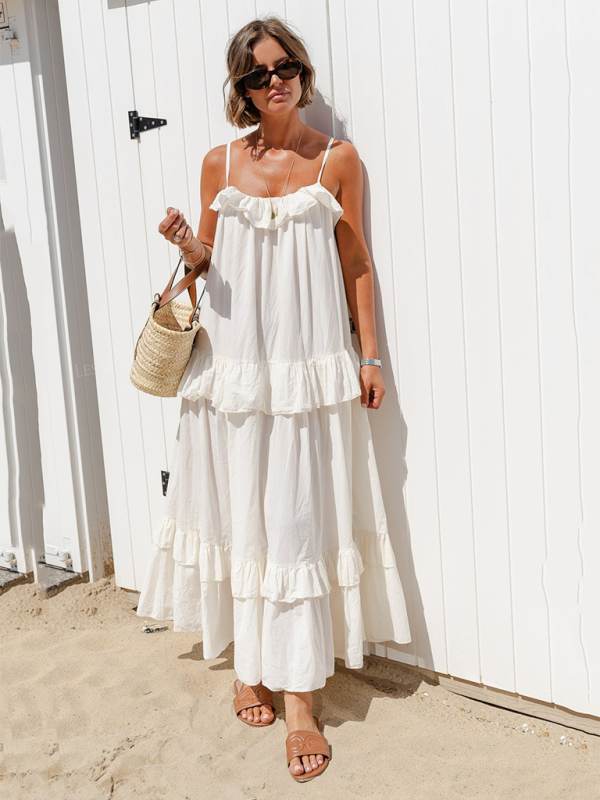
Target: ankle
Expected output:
[298,703]
[303,697]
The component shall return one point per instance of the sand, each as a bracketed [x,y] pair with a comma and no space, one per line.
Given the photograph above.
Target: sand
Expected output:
[92,707]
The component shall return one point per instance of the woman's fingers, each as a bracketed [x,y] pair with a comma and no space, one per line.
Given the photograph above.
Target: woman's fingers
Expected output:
[372,389]
[376,396]
[174,224]
[183,234]
[168,221]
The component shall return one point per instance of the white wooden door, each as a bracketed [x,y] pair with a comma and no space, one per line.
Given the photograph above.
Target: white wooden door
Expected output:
[146,57]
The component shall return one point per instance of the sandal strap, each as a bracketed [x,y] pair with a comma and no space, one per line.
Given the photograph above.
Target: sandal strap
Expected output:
[305,743]
[250,698]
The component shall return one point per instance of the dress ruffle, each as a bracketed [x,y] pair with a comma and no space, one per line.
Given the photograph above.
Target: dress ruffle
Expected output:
[280,582]
[258,209]
[273,387]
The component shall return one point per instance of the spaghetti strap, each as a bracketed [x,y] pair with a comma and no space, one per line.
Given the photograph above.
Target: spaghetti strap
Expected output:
[330,142]
[227,160]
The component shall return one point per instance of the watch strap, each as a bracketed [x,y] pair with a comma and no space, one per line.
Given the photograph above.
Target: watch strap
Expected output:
[375,361]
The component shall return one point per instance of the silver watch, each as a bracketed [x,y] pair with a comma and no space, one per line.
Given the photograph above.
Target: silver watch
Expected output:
[375,361]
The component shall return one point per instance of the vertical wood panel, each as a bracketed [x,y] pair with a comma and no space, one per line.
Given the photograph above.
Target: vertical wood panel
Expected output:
[369,135]
[103,220]
[582,42]
[446,312]
[42,436]
[422,576]
[483,366]
[513,157]
[560,379]
[310,20]
[191,75]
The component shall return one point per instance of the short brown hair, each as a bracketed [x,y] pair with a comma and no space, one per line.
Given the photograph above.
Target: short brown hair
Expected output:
[240,111]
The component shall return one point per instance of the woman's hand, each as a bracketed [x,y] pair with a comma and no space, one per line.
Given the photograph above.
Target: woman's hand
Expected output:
[174,224]
[371,384]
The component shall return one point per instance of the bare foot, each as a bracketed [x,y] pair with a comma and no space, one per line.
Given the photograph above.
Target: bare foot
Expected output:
[299,717]
[258,713]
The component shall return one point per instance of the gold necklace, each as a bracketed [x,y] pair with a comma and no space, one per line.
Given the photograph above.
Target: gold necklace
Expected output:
[275,213]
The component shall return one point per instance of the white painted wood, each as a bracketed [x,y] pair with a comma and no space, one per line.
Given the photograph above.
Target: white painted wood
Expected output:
[519,326]
[559,335]
[150,260]
[56,494]
[409,423]
[369,135]
[15,526]
[582,47]
[475,128]
[483,366]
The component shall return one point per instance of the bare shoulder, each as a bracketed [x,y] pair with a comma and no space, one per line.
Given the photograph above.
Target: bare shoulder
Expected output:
[214,160]
[213,171]
[346,160]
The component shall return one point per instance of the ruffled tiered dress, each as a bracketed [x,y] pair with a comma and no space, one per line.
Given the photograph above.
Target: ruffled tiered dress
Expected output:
[274,534]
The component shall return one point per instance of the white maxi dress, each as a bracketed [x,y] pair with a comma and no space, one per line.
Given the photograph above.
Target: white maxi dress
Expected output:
[274,534]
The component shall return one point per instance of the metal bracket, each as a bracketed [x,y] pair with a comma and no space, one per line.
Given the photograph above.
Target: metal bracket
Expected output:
[8,559]
[57,557]
[138,125]
[7,32]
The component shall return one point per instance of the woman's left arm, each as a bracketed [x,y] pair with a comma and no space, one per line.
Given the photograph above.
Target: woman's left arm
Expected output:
[357,268]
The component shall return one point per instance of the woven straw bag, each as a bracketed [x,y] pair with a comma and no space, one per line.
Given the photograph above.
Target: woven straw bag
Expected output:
[164,346]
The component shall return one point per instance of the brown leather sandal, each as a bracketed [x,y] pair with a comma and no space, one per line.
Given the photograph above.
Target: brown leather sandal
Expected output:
[249,698]
[306,743]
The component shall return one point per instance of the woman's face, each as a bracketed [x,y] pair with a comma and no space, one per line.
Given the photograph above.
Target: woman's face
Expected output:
[279,97]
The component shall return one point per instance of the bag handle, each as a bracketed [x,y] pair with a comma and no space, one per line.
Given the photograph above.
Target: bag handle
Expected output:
[188,282]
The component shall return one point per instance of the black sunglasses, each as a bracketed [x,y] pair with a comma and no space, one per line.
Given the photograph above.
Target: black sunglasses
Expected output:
[259,78]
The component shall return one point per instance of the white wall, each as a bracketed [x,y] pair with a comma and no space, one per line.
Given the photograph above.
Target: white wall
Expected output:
[477,127]
[54,493]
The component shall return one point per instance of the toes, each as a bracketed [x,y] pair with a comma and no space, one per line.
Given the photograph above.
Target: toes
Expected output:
[305,764]
[296,766]
[257,715]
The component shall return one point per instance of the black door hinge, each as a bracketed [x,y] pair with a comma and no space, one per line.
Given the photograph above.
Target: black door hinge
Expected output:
[138,125]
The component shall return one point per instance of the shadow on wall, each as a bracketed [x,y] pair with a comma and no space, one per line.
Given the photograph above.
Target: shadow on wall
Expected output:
[388,426]
[20,412]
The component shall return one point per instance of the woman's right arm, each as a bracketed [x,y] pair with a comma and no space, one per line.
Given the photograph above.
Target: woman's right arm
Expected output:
[212,175]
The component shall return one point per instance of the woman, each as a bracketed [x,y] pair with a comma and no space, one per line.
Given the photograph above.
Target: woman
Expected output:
[274,534]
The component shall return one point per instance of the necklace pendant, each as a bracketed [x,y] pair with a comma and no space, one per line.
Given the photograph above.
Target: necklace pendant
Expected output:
[273,214]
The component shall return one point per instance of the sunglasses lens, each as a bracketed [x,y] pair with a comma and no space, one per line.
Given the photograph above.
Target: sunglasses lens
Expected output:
[289,70]
[257,79]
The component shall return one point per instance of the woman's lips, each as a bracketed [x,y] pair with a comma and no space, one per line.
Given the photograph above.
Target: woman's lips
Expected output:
[279,94]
